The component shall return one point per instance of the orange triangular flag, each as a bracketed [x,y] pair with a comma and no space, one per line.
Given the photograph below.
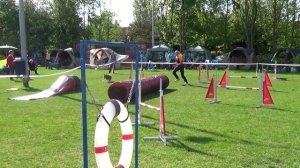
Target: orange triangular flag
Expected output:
[223,82]
[267,99]
[267,79]
[211,90]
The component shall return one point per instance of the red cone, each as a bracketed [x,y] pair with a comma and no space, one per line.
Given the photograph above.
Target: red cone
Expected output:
[223,82]
[267,80]
[267,99]
[211,90]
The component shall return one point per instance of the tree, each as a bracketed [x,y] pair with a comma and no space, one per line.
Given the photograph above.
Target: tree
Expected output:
[66,23]
[9,23]
[38,26]
[140,29]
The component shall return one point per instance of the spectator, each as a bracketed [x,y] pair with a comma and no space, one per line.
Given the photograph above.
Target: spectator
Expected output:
[32,66]
[10,63]
[113,62]
[48,59]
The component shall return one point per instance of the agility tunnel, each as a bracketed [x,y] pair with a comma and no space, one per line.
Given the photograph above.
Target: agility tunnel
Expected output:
[64,84]
[121,90]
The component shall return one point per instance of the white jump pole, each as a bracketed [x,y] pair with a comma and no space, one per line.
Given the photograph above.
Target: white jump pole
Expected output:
[140,123]
[239,87]
[256,69]
[275,70]
[261,79]
[162,131]
[242,76]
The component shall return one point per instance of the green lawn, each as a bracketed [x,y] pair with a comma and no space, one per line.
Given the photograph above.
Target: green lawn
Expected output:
[233,133]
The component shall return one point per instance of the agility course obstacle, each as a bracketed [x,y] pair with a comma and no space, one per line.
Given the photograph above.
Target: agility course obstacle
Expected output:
[162,129]
[84,44]
[199,74]
[121,90]
[64,84]
[264,93]
[224,81]
[140,123]
[224,84]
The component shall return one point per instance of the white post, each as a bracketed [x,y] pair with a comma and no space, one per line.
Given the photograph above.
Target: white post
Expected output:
[261,80]
[275,70]
[152,23]
[23,42]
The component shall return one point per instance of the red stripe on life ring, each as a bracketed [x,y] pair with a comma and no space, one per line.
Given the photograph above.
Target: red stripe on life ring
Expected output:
[127,137]
[101,149]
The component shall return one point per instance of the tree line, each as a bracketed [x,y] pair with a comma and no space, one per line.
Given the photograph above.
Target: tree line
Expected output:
[263,25]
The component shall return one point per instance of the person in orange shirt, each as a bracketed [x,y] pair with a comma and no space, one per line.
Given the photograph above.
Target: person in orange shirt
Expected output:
[179,67]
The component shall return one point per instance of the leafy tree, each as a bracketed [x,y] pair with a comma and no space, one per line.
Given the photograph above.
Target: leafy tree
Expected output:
[9,23]
[38,26]
[140,30]
[66,23]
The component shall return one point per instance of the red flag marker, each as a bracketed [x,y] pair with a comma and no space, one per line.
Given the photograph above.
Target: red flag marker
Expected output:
[211,90]
[223,82]
[267,99]
[267,80]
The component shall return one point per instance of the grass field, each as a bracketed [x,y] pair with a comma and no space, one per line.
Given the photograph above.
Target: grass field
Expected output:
[233,133]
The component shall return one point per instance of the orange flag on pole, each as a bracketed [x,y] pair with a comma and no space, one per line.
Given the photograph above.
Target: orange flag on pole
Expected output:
[211,90]
[267,80]
[223,82]
[267,99]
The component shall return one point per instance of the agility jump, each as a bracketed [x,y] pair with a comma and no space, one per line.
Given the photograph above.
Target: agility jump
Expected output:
[224,81]
[199,74]
[264,93]
[162,129]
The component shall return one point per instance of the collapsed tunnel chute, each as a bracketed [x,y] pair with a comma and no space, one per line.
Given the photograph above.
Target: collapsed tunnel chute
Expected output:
[121,90]
[64,84]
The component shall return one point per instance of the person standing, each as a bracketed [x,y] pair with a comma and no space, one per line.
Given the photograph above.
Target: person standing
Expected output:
[113,62]
[10,63]
[47,59]
[179,67]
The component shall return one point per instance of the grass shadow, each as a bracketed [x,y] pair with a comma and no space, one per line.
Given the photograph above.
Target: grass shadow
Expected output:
[222,135]
[199,139]
[31,89]
[181,145]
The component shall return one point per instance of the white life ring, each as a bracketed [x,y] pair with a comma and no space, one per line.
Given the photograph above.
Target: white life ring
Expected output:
[111,109]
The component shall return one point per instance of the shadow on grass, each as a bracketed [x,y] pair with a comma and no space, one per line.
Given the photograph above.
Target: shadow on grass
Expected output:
[278,109]
[238,105]
[65,95]
[31,89]
[199,139]
[198,86]
[181,145]
[222,135]
[283,79]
